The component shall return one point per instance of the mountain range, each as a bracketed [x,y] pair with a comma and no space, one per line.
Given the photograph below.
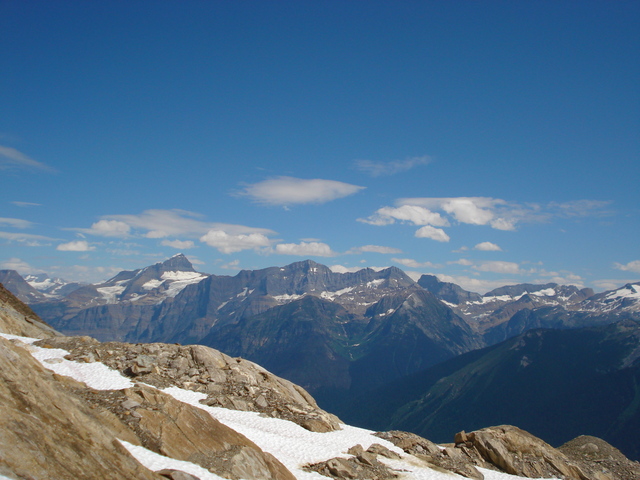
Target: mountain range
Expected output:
[342,336]
[73,408]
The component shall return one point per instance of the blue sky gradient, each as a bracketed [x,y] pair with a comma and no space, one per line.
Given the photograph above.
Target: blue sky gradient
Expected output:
[488,143]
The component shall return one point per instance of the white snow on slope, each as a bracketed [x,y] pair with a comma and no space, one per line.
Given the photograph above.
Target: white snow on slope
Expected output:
[332,295]
[110,293]
[154,461]
[287,298]
[175,282]
[632,291]
[291,444]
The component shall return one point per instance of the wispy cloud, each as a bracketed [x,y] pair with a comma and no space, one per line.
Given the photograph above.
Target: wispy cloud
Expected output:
[229,243]
[304,249]
[581,208]
[16,264]
[413,214]
[178,244]
[494,212]
[290,191]
[28,239]
[162,224]
[374,249]
[26,204]
[499,267]
[378,169]
[10,158]
[411,263]
[633,266]
[15,223]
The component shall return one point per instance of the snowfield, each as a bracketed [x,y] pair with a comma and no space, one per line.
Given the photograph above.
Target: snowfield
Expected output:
[288,442]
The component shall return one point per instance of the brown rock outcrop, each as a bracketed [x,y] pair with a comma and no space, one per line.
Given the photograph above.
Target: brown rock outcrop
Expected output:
[601,460]
[17,318]
[228,382]
[181,431]
[47,432]
[517,452]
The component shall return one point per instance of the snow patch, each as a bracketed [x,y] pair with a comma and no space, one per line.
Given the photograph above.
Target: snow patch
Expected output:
[287,298]
[547,292]
[155,462]
[628,291]
[332,295]
[110,294]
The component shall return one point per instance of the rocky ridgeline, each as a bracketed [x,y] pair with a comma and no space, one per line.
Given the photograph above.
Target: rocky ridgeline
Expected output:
[233,383]
[511,450]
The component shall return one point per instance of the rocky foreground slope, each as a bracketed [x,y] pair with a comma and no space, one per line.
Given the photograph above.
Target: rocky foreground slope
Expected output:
[54,426]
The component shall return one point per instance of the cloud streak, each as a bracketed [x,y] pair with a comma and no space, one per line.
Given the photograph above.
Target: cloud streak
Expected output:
[229,243]
[10,158]
[305,249]
[633,266]
[378,169]
[163,224]
[290,191]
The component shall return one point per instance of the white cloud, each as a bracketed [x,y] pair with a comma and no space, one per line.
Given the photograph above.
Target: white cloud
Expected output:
[290,190]
[162,224]
[499,267]
[487,247]
[374,249]
[178,244]
[409,262]
[26,204]
[406,213]
[503,224]
[497,213]
[75,246]
[229,243]
[377,169]
[433,233]
[11,158]
[108,228]
[304,249]
[467,210]
[16,264]
[15,223]
[633,266]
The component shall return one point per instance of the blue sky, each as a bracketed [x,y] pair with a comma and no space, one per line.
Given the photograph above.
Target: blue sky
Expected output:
[489,143]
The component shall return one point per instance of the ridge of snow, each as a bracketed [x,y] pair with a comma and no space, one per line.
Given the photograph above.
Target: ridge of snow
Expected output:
[155,462]
[630,291]
[285,298]
[332,295]
[110,293]
[375,283]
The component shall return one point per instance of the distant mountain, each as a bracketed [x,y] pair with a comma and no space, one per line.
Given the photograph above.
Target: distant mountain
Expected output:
[17,285]
[51,287]
[557,384]
[337,334]
[446,291]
